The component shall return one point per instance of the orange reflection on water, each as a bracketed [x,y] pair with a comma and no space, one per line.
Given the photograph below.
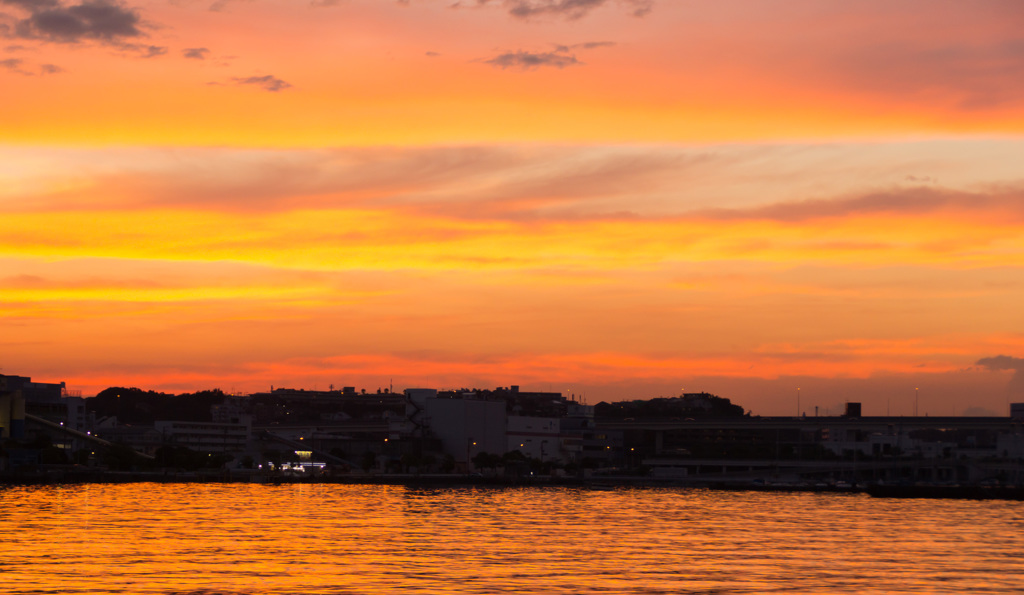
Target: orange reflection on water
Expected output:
[240,538]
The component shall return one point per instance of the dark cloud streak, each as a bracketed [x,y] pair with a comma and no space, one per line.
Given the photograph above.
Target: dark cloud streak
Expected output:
[917,201]
[195,53]
[268,82]
[31,5]
[530,60]
[148,51]
[17,65]
[13,65]
[568,9]
[560,57]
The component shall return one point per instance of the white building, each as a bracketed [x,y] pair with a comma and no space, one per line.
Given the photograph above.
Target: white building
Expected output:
[466,426]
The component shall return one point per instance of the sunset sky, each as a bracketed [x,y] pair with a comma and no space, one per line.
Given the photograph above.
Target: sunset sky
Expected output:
[616,198]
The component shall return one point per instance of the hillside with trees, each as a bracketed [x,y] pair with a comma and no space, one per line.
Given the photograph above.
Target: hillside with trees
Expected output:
[693,405]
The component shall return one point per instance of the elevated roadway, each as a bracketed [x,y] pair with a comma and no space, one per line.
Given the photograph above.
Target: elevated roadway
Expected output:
[814,423]
[75,433]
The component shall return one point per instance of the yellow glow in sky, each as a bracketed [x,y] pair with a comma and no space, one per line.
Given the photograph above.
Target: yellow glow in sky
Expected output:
[738,197]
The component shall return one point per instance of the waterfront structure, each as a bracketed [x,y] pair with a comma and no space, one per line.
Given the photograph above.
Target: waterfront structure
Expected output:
[794,449]
[694,437]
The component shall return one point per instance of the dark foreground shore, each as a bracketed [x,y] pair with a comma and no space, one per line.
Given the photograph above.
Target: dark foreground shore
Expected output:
[64,477]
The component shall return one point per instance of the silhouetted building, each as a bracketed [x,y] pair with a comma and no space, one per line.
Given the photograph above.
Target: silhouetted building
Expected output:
[206,436]
[467,426]
[536,437]
[19,395]
[12,408]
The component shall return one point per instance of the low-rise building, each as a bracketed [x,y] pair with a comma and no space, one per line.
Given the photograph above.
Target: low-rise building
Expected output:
[210,437]
[536,437]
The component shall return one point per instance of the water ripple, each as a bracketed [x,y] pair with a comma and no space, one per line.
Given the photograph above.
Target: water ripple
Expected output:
[212,539]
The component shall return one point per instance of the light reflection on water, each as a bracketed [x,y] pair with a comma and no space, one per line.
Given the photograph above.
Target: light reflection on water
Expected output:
[192,539]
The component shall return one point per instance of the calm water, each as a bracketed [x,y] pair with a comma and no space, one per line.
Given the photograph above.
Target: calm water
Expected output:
[303,539]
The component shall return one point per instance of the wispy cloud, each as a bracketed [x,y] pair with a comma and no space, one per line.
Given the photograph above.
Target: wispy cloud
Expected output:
[560,57]
[917,201]
[568,9]
[586,46]
[195,53]
[17,65]
[13,65]
[530,60]
[221,5]
[149,51]
[267,82]
[791,184]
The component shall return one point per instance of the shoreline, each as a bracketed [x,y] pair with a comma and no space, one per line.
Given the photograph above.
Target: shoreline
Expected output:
[55,478]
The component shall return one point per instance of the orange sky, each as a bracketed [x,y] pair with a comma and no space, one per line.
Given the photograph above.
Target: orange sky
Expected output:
[622,198]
